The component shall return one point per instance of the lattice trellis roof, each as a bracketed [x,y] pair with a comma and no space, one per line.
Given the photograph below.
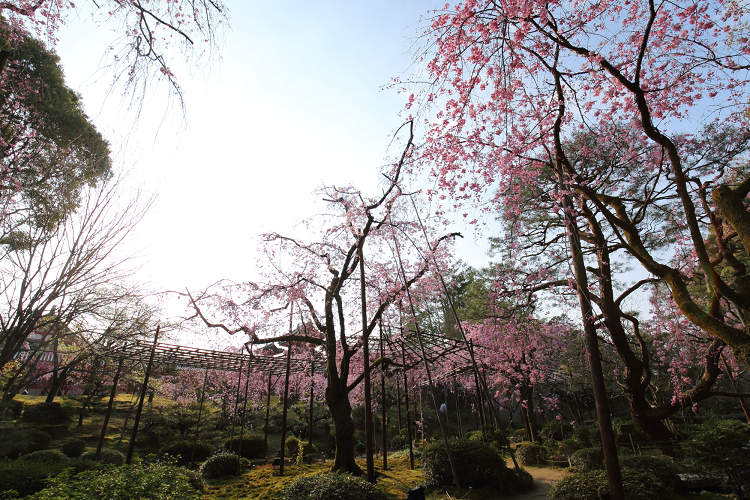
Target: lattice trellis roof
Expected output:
[177,356]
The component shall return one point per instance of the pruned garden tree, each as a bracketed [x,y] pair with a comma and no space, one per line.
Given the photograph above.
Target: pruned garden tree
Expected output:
[320,282]
[71,274]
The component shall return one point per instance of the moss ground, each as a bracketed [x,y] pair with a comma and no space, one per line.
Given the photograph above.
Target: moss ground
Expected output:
[264,482]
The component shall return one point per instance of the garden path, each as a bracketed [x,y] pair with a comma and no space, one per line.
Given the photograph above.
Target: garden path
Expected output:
[544,479]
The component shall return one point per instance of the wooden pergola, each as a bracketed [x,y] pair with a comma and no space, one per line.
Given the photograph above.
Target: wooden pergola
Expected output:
[153,355]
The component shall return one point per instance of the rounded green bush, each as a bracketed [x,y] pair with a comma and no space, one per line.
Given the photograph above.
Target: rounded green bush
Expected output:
[531,454]
[220,465]
[38,440]
[183,452]
[477,464]
[587,485]
[107,456]
[16,441]
[587,459]
[333,487]
[253,446]
[48,456]
[73,448]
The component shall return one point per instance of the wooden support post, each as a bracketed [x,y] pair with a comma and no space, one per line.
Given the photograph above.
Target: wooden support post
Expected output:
[383,399]
[268,412]
[109,409]
[144,388]
[284,410]
[458,410]
[366,355]
[244,408]
[200,414]
[398,404]
[236,399]
[312,400]
[408,414]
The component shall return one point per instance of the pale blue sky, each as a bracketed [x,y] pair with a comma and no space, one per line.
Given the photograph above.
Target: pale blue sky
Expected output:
[294,102]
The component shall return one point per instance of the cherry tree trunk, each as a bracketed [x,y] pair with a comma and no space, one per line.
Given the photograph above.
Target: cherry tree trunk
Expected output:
[337,398]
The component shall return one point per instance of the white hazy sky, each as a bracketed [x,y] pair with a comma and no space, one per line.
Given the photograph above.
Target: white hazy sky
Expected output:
[294,101]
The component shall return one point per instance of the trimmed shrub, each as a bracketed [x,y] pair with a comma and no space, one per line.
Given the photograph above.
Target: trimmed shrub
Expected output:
[658,466]
[107,456]
[477,464]
[518,436]
[360,448]
[587,436]
[194,478]
[39,440]
[73,448]
[557,430]
[303,454]
[587,459]
[182,451]
[720,447]
[253,446]
[516,481]
[11,409]
[587,485]
[46,413]
[151,481]
[531,454]
[56,431]
[292,445]
[27,477]
[220,465]
[473,435]
[16,441]
[333,487]
[48,456]
[396,442]
[662,468]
